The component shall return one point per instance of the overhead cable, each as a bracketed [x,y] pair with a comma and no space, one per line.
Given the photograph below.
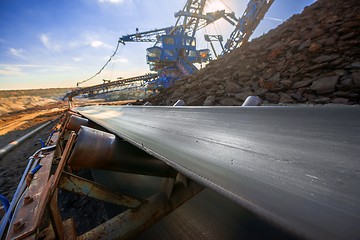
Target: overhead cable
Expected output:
[116,49]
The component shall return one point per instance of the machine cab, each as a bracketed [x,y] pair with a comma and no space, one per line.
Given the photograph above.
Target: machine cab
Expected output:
[173,46]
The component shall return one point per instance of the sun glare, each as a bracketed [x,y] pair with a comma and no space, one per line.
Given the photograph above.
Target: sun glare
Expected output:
[214,5]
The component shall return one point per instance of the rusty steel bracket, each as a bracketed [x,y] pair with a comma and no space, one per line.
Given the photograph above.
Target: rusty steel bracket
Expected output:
[48,233]
[82,186]
[64,157]
[55,217]
[39,196]
[28,215]
[132,222]
[64,133]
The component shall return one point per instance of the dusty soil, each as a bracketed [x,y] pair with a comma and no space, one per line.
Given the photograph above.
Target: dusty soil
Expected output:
[13,104]
[17,100]
[27,118]
[13,164]
[14,125]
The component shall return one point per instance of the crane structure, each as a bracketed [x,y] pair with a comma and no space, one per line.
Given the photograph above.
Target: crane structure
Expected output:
[244,26]
[174,53]
[149,36]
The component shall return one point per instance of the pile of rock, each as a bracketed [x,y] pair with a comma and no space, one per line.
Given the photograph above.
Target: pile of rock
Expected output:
[314,57]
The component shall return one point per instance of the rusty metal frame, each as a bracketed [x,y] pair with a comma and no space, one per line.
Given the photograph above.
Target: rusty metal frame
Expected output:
[55,217]
[41,195]
[33,200]
[132,222]
[82,186]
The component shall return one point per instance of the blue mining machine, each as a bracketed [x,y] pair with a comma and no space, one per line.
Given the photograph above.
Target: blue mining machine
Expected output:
[174,53]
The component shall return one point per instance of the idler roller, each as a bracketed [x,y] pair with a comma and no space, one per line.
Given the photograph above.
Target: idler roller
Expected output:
[75,122]
[101,150]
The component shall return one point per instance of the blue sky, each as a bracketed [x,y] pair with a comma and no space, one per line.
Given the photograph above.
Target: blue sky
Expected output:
[57,43]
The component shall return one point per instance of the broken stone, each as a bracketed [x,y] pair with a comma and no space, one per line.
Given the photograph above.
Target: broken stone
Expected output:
[229,102]
[242,96]
[304,45]
[260,92]
[340,100]
[286,83]
[285,98]
[356,77]
[196,101]
[302,83]
[348,36]
[293,69]
[262,65]
[297,96]
[272,97]
[220,92]
[325,85]
[232,87]
[322,100]
[209,101]
[246,89]
[355,65]
[326,58]
[314,47]
[318,66]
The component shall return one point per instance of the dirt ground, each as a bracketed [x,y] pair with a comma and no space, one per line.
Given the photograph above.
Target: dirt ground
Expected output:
[13,126]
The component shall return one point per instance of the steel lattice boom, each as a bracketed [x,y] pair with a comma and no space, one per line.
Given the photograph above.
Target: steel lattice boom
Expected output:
[246,25]
[109,86]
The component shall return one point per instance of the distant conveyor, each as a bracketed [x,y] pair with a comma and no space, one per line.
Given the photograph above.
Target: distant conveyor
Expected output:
[295,166]
[109,86]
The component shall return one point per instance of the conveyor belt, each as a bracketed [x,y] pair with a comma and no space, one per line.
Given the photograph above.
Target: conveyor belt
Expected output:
[296,166]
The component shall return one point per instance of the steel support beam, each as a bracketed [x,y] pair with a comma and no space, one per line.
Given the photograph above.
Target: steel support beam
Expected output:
[81,186]
[295,166]
[132,222]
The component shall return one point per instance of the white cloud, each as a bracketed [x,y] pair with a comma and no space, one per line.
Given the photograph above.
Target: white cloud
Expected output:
[111,1]
[20,65]
[122,60]
[11,71]
[16,52]
[6,68]
[45,39]
[77,59]
[56,68]
[274,19]
[96,44]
